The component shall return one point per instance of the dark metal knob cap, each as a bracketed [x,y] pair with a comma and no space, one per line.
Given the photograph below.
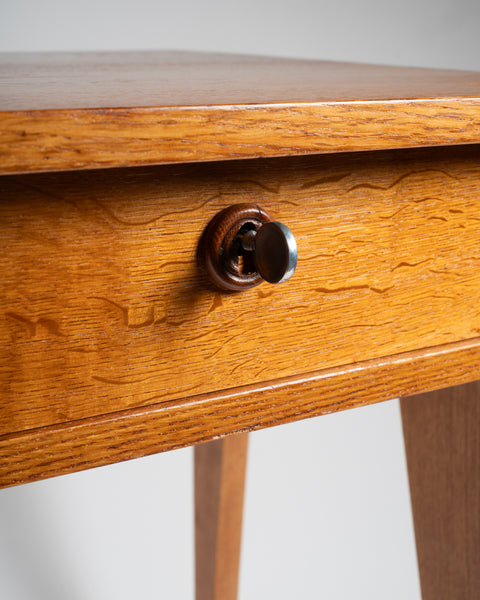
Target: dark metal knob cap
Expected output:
[275,251]
[242,246]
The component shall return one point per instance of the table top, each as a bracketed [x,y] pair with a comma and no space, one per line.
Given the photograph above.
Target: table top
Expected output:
[52,80]
[64,111]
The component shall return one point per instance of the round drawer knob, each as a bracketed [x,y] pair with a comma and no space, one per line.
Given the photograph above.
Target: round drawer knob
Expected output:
[275,251]
[242,246]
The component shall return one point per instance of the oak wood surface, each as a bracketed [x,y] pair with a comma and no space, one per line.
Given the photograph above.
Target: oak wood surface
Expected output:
[67,80]
[77,445]
[91,110]
[104,307]
[442,441]
[220,468]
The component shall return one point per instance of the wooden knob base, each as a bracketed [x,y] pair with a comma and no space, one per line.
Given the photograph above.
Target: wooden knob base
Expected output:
[227,264]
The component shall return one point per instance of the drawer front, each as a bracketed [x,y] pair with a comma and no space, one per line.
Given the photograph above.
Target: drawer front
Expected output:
[104,308]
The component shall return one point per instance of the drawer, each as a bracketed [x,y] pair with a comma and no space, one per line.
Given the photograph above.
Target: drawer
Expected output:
[105,309]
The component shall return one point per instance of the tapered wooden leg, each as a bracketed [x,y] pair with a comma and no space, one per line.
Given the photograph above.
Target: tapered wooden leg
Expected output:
[219,488]
[442,440]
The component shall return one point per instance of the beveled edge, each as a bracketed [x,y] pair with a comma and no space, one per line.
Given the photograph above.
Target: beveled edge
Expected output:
[59,140]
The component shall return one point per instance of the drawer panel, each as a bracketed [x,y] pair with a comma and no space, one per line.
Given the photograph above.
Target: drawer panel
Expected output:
[103,307]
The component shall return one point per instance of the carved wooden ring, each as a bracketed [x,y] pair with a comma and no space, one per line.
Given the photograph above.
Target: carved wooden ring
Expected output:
[227,265]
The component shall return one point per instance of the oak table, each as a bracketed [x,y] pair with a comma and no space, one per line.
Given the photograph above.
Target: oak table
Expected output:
[114,342]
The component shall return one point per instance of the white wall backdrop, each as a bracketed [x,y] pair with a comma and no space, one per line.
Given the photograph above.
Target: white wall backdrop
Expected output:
[327,507]
[412,32]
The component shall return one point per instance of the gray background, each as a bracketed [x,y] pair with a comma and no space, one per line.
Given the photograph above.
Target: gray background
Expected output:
[327,508]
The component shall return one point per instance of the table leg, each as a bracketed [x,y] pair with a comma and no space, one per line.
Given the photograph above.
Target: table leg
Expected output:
[442,441]
[219,486]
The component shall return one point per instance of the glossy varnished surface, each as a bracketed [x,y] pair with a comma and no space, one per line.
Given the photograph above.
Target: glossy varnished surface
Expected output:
[106,439]
[91,110]
[44,81]
[105,308]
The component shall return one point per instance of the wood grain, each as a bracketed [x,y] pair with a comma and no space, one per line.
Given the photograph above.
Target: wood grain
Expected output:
[104,307]
[219,489]
[74,446]
[93,110]
[68,80]
[442,440]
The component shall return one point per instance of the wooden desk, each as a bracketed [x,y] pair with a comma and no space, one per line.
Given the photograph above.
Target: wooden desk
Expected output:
[114,344]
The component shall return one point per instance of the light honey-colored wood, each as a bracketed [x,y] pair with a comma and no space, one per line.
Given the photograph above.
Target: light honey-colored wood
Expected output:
[219,489]
[95,110]
[102,440]
[105,309]
[114,346]
[442,441]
